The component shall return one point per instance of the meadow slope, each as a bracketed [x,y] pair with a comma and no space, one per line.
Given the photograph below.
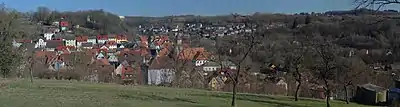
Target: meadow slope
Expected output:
[52,93]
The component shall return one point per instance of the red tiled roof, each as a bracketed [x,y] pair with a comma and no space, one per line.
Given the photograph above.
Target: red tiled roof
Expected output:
[190,53]
[64,23]
[122,37]
[103,62]
[102,37]
[24,41]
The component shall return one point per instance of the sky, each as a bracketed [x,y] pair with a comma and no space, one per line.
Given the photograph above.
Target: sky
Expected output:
[182,7]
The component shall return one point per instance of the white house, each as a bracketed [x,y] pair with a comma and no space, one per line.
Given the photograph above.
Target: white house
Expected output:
[200,62]
[70,42]
[16,44]
[92,40]
[40,44]
[100,56]
[87,45]
[48,36]
[214,66]
[112,58]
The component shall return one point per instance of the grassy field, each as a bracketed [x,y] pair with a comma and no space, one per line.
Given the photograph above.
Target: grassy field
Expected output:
[52,93]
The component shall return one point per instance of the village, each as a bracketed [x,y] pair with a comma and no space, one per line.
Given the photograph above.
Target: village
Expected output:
[282,56]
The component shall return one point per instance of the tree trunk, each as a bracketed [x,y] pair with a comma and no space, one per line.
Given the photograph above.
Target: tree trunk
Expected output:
[298,79]
[234,88]
[176,82]
[346,94]
[297,91]
[327,92]
[327,100]
[233,103]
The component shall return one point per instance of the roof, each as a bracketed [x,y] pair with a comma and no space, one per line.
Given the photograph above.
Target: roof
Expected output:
[102,62]
[89,44]
[161,63]
[44,53]
[394,90]
[92,37]
[54,44]
[69,37]
[190,53]
[372,87]
[112,36]
[165,51]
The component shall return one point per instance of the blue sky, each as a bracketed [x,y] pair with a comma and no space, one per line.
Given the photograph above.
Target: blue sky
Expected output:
[179,7]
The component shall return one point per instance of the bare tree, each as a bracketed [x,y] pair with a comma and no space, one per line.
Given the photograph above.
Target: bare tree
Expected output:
[325,65]
[245,44]
[294,59]
[350,71]
[379,3]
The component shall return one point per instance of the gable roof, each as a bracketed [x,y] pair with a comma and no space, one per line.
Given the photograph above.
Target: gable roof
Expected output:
[191,53]
[54,44]
[161,63]
[372,87]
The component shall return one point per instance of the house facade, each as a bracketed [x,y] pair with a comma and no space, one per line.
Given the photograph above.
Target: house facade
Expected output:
[80,40]
[40,44]
[48,36]
[112,38]
[70,42]
[111,45]
[101,39]
[92,40]
[121,39]
[88,45]
[214,66]
[160,71]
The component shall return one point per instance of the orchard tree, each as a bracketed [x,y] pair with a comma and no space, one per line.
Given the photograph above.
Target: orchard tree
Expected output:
[325,65]
[8,31]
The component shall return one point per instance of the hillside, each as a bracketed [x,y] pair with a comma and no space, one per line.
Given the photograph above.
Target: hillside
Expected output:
[51,93]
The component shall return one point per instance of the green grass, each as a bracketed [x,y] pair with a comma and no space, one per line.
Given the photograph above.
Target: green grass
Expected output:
[52,93]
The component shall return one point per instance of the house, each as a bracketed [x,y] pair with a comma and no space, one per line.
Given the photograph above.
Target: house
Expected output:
[214,66]
[64,24]
[124,70]
[199,55]
[70,41]
[393,95]
[80,40]
[112,38]
[92,39]
[111,44]
[48,36]
[101,39]
[121,38]
[40,44]
[88,45]
[101,55]
[104,48]
[102,69]
[370,94]
[53,44]
[16,44]
[112,57]
[160,71]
